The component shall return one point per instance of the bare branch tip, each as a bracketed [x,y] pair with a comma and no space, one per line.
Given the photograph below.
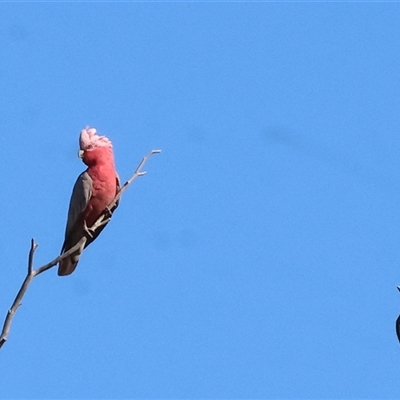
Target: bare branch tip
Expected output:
[34,245]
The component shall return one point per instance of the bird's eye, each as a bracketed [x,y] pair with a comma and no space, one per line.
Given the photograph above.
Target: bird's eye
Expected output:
[90,146]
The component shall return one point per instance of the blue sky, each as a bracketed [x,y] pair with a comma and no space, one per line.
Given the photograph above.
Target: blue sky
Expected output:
[259,256]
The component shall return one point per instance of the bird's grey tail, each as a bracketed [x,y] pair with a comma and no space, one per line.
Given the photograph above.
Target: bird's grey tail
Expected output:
[68,265]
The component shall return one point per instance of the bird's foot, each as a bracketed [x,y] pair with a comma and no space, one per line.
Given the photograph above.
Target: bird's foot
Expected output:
[107,213]
[89,231]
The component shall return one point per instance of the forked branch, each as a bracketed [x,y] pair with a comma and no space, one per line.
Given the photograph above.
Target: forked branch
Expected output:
[32,273]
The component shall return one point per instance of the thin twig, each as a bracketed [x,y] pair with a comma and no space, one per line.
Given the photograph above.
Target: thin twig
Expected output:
[31,253]
[32,273]
[137,173]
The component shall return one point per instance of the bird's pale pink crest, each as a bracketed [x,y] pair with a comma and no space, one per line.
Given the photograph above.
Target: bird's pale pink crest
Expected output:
[89,139]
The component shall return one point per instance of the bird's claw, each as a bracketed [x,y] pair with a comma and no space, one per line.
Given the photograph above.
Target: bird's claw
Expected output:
[107,213]
[89,231]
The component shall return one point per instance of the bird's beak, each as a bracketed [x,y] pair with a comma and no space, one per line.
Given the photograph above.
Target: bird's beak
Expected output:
[80,153]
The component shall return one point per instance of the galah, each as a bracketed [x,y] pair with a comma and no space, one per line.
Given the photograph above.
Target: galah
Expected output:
[93,191]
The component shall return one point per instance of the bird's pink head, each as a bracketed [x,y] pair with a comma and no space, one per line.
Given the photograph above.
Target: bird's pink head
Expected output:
[93,146]
[88,139]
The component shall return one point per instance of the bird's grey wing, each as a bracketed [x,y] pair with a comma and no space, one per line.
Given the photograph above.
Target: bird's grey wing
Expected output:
[80,197]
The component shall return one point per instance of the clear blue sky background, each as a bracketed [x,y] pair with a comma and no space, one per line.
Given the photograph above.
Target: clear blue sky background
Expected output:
[259,256]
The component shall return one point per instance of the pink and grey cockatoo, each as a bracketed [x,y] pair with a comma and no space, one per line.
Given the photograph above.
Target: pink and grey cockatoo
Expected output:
[93,191]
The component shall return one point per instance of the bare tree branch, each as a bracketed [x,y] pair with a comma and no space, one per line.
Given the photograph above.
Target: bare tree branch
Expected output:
[32,273]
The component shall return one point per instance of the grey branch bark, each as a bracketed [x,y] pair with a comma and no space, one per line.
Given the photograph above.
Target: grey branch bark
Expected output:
[32,273]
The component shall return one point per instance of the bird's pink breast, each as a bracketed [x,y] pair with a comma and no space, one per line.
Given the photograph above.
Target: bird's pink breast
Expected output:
[104,190]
